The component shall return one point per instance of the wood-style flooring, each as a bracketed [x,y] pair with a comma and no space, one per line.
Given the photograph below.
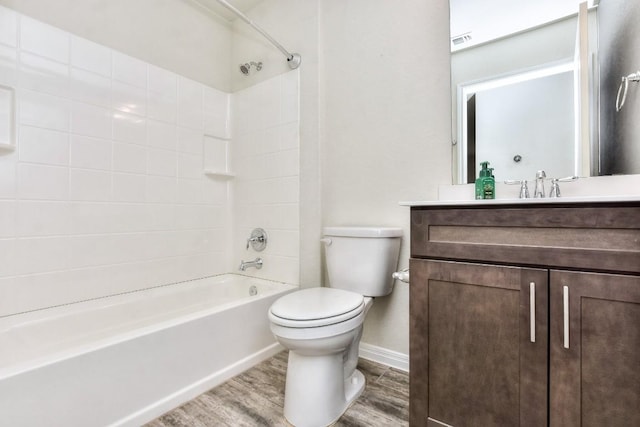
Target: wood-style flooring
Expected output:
[256,398]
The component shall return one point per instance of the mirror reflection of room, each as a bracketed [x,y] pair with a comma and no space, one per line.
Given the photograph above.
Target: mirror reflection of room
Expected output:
[535,89]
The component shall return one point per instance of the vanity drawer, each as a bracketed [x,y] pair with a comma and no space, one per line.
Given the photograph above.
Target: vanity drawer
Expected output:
[597,238]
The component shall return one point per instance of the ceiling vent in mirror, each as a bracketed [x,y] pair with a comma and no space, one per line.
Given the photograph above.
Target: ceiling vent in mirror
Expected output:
[460,39]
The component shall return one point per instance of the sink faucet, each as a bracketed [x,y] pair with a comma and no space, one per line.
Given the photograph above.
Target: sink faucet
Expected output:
[539,191]
[257,263]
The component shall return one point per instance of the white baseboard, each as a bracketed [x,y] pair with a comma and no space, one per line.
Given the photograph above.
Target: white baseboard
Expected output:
[385,356]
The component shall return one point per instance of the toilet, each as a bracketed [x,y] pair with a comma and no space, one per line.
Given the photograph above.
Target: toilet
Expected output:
[322,327]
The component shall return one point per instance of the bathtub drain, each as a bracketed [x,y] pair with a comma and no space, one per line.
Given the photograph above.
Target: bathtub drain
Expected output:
[253,291]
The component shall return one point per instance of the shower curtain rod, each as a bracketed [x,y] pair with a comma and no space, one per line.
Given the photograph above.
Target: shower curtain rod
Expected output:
[293,59]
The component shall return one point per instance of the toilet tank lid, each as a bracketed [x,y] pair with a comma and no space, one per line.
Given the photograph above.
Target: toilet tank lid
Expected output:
[363,231]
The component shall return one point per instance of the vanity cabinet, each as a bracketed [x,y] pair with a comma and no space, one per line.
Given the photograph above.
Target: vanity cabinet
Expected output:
[524,315]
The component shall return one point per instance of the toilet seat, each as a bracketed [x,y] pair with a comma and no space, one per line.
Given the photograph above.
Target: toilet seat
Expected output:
[316,307]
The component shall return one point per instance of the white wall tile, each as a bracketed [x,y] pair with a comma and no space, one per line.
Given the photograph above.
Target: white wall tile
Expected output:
[190,98]
[215,154]
[129,70]
[190,166]
[39,145]
[129,99]
[189,191]
[43,75]
[8,214]
[216,113]
[8,27]
[44,40]
[161,162]
[88,185]
[162,106]
[43,110]
[161,217]
[130,158]
[7,267]
[42,218]
[189,141]
[90,218]
[106,191]
[90,120]
[90,153]
[129,128]
[90,56]
[8,176]
[129,187]
[161,135]
[8,66]
[129,218]
[161,189]
[40,254]
[43,182]
[90,88]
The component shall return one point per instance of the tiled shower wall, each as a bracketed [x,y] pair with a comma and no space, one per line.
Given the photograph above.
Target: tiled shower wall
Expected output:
[266,190]
[105,191]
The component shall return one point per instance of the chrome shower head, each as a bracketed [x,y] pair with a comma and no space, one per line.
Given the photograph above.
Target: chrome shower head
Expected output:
[246,67]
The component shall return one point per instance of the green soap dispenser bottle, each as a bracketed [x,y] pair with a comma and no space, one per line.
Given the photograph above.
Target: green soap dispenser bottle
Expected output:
[486,183]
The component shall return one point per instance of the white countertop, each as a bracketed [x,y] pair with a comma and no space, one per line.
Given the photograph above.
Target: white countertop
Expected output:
[600,189]
[497,202]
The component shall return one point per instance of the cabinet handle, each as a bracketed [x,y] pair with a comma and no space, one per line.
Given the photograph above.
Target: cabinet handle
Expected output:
[565,311]
[532,311]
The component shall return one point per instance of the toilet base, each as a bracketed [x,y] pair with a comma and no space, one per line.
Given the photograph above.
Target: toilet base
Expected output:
[309,405]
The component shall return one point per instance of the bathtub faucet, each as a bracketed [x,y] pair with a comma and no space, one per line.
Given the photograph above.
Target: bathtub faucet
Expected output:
[257,263]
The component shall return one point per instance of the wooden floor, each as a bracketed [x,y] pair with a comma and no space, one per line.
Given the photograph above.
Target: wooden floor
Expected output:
[256,397]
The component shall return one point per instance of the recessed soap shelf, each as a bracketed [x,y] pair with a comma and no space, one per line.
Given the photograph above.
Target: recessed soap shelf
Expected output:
[216,158]
[7,118]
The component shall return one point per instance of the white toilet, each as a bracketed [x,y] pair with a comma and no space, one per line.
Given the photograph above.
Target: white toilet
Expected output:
[322,327]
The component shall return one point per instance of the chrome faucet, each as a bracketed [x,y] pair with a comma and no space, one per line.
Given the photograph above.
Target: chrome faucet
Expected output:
[257,263]
[539,191]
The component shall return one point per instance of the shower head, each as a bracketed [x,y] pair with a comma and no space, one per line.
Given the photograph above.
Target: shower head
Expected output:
[246,67]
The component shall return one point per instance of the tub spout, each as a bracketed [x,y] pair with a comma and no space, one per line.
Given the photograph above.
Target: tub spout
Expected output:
[257,263]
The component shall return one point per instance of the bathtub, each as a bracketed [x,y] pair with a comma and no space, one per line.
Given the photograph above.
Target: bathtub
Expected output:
[124,360]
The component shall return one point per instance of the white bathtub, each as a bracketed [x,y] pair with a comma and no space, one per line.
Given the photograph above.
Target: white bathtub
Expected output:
[126,359]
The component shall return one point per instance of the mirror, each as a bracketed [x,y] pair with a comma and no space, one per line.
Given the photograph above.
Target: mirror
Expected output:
[516,97]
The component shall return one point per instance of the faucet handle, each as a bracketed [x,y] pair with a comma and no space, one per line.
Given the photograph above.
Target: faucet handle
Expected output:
[257,240]
[555,187]
[524,188]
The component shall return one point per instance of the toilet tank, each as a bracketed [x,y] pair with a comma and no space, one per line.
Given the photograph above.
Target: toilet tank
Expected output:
[362,259]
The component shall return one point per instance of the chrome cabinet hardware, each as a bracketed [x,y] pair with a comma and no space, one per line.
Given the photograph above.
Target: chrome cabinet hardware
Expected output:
[532,311]
[565,312]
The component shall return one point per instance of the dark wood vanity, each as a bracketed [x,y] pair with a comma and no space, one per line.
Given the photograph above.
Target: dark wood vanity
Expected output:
[525,314]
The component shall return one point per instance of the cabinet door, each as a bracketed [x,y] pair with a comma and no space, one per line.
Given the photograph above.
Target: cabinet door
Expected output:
[477,355]
[595,350]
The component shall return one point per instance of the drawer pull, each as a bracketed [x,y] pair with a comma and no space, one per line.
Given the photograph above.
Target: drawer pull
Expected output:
[565,306]
[532,311]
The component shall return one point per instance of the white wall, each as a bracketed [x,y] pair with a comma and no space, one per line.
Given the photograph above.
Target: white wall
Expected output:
[172,34]
[385,120]
[105,191]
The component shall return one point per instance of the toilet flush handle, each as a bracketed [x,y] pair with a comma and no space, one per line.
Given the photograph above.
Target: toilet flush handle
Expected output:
[326,241]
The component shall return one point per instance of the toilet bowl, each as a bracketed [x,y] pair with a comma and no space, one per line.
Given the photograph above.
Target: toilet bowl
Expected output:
[322,327]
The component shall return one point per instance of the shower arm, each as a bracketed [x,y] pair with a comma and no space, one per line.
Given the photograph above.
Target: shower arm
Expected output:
[293,59]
